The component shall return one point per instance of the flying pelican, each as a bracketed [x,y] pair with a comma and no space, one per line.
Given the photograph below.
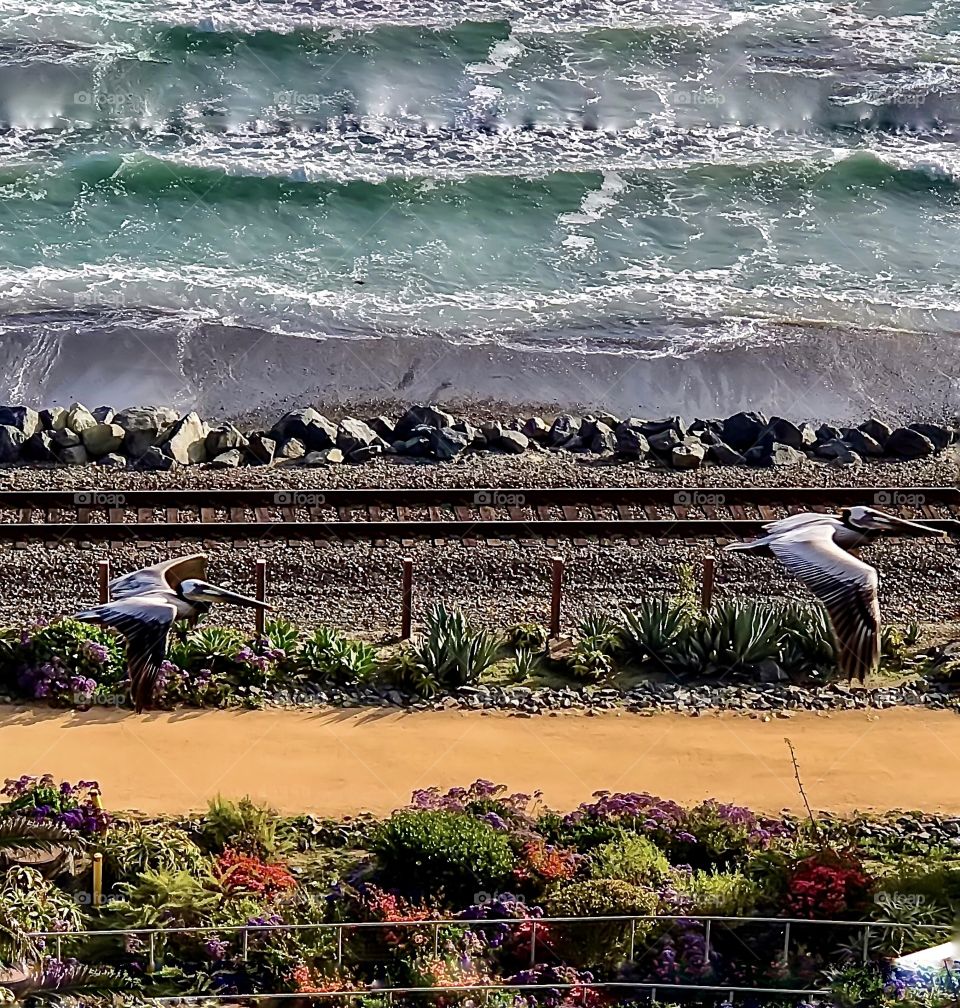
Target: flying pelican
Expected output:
[816,548]
[145,604]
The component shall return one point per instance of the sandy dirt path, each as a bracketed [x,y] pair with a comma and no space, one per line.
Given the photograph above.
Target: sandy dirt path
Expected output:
[343,762]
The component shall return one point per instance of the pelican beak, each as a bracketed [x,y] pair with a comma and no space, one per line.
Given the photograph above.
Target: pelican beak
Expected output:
[900,526]
[214,593]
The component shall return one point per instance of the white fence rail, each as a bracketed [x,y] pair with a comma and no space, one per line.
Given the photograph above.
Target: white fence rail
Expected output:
[789,926]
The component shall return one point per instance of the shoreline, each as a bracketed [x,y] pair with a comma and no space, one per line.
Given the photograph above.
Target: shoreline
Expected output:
[343,762]
[816,371]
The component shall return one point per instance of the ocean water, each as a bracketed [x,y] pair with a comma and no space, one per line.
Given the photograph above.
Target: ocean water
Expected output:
[648,177]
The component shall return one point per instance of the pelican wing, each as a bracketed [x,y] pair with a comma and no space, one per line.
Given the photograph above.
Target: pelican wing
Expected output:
[144,622]
[845,585]
[163,576]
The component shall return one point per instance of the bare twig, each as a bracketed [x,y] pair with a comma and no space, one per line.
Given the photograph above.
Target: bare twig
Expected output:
[803,793]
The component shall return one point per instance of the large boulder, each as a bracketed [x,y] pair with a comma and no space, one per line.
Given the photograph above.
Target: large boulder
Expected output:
[563,432]
[535,428]
[665,441]
[54,418]
[630,439]
[229,459]
[79,418]
[154,459]
[938,435]
[186,442]
[39,447]
[689,455]
[837,451]
[909,444]
[876,429]
[113,461]
[421,416]
[861,442]
[307,425]
[721,453]
[354,435]
[144,427]
[12,440]
[260,448]
[793,435]
[772,453]
[102,438]
[673,423]
[417,446]
[513,442]
[64,438]
[103,414]
[827,432]
[24,418]
[292,448]
[77,455]
[744,429]
[324,457]
[383,427]
[224,438]
[446,443]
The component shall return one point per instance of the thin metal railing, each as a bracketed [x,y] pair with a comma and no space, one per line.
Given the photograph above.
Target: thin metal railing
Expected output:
[708,921]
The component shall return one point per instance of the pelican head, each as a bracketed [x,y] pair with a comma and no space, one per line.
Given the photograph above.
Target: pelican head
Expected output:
[870,521]
[195,590]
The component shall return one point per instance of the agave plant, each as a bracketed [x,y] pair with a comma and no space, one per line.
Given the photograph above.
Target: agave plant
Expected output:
[331,656]
[603,630]
[20,833]
[658,630]
[450,653]
[735,635]
[807,643]
[590,660]
[526,663]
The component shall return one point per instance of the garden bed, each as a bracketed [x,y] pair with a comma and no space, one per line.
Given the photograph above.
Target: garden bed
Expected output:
[476,887]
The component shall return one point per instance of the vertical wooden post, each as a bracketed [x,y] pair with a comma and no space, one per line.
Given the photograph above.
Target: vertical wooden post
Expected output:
[406,600]
[261,595]
[706,587]
[103,569]
[556,588]
[97,878]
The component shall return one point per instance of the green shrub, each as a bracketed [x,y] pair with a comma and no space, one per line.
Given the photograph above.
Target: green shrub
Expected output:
[449,654]
[131,848]
[723,894]
[329,656]
[589,661]
[242,825]
[657,632]
[29,902]
[529,636]
[600,944]
[432,851]
[734,636]
[630,858]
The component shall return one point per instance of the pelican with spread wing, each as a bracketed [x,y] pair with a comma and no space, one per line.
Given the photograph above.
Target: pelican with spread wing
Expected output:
[816,548]
[145,604]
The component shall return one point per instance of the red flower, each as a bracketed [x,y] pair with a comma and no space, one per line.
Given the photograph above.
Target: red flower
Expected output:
[826,888]
[244,873]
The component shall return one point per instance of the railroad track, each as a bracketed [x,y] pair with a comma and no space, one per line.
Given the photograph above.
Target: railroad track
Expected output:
[466,515]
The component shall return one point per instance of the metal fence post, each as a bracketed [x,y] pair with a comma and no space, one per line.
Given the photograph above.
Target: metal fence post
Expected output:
[152,955]
[246,944]
[59,947]
[406,600]
[261,595]
[533,942]
[436,941]
[786,944]
[706,587]
[633,939]
[556,590]
[706,943]
[339,944]
[866,944]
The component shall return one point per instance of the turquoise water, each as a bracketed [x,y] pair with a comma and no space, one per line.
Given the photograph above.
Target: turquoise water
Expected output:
[505,172]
